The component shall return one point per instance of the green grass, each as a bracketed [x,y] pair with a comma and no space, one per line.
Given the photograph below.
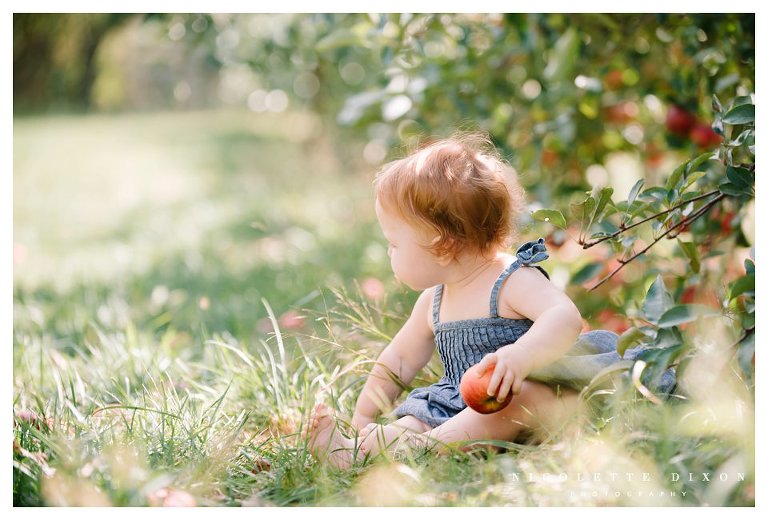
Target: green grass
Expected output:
[154,257]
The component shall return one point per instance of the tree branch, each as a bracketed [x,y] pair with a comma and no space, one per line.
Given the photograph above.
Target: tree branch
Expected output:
[701,211]
[622,227]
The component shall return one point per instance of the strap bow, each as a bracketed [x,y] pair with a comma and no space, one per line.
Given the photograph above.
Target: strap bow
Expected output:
[532,252]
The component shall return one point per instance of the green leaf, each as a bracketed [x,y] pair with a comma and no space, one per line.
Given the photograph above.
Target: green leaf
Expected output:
[745,353]
[637,208]
[740,115]
[629,339]
[741,100]
[744,285]
[552,216]
[589,206]
[690,251]
[583,210]
[657,300]
[717,107]
[618,366]
[698,161]
[655,192]
[666,338]
[726,81]
[680,314]
[658,361]
[729,188]
[690,195]
[748,320]
[586,273]
[743,137]
[740,177]
[675,177]
[749,266]
[603,198]
[563,57]
[634,191]
[717,125]
[690,179]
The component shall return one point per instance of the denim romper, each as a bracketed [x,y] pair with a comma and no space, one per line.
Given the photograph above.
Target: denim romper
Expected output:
[464,343]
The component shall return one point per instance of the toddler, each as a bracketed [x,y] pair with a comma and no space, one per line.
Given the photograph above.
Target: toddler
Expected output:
[448,212]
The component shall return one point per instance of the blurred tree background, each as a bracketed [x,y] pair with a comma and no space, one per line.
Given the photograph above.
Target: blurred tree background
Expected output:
[255,138]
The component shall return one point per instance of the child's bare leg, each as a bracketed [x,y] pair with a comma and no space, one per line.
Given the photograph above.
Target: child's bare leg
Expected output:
[327,443]
[537,407]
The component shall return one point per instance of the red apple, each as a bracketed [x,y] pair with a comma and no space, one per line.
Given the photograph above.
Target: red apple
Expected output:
[689,295]
[549,157]
[679,121]
[726,225]
[704,137]
[610,320]
[474,390]
[613,80]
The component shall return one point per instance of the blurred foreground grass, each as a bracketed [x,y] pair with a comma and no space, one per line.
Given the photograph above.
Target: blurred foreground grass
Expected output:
[188,285]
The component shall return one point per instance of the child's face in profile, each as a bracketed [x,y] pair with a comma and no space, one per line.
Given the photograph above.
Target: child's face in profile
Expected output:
[412,263]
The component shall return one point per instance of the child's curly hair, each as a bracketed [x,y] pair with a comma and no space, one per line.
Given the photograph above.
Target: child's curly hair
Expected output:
[458,187]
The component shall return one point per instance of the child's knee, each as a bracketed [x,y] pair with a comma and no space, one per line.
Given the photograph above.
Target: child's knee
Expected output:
[534,398]
[533,393]
[546,405]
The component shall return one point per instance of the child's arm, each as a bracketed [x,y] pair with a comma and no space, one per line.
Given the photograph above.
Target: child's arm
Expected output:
[556,326]
[410,350]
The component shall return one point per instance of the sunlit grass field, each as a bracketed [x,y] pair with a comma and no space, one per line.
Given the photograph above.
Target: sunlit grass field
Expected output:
[188,285]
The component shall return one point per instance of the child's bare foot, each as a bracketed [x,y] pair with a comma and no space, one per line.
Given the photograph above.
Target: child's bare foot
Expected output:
[325,440]
[367,430]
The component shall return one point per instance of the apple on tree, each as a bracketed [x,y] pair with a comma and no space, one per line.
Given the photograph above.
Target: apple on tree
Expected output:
[679,121]
[474,390]
[704,137]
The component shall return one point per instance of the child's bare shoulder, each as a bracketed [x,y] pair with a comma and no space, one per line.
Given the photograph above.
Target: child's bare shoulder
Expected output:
[422,309]
[530,293]
[529,275]
[421,314]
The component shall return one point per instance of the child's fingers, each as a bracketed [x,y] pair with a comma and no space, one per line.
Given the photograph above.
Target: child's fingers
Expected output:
[496,379]
[506,385]
[517,386]
[486,361]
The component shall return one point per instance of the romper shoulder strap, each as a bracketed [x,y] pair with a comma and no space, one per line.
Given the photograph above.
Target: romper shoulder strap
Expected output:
[527,254]
[436,304]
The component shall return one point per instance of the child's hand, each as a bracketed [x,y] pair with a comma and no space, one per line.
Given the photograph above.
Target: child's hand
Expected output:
[511,370]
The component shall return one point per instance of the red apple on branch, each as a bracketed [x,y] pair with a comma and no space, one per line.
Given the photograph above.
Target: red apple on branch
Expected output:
[704,137]
[474,390]
[679,121]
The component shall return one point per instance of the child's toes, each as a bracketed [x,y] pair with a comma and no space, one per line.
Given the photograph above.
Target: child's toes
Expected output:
[367,430]
[320,411]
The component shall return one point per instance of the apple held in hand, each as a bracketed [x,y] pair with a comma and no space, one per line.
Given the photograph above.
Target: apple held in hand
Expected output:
[474,390]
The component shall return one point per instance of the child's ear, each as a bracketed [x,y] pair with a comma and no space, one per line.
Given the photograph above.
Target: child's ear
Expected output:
[443,260]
